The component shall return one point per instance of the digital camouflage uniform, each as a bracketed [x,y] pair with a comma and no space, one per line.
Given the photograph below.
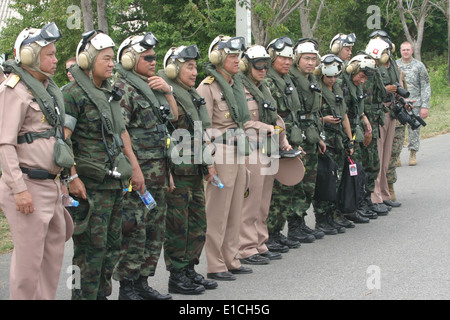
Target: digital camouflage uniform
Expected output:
[418,83]
[97,245]
[143,230]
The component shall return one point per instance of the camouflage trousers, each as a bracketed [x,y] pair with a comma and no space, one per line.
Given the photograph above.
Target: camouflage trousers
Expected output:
[294,200]
[143,236]
[370,162]
[185,222]
[397,145]
[96,250]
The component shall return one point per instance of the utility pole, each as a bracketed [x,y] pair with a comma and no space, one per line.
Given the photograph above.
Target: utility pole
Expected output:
[244,21]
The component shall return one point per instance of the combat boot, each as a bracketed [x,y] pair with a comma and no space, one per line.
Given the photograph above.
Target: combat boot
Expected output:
[127,292]
[142,288]
[274,246]
[295,231]
[340,220]
[332,223]
[197,278]
[281,239]
[316,233]
[356,217]
[179,283]
[412,158]
[323,225]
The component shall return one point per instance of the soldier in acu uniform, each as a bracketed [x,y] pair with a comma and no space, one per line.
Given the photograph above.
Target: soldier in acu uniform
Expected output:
[101,171]
[147,103]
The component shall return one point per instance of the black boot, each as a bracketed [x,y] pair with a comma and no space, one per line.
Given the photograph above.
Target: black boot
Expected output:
[323,225]
[142,288]
[339,219]
[127,292]
[179,283]
[356,217]
[274,246]
[315,233]
[281,239]
[295,231]
[197,278]
[331,222]
[365,211]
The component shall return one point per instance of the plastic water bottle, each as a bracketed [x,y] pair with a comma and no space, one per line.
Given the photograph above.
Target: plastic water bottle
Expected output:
[147,199]
[216,182]
[68,201]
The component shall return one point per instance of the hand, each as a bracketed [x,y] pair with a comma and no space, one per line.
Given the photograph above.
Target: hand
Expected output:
[78,189]
[391,88]
[322,147]
[24,202]
[171,184]
[331,119]
[424,113]
[288,148]
[138,180]
[211,171]
[367,138]
[158,83]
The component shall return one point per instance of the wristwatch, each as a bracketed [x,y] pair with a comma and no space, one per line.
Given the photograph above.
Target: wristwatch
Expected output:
[170,92]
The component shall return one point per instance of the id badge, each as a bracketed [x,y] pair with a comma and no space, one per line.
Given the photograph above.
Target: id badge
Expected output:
[353,169]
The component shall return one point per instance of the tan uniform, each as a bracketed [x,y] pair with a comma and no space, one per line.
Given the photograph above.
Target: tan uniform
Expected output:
[223,206]
[38,237]
[254,232]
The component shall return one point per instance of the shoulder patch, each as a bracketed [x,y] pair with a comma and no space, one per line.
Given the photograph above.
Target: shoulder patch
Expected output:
[209,80]
[12,81]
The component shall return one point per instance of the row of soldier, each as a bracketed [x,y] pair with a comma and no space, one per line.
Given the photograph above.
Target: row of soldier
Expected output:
[119,136]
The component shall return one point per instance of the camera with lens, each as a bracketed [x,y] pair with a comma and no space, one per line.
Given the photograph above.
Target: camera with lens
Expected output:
[314,87]
[268,105]
[289,89]
[164,111]
[407,117]
[401,91]
[339,99]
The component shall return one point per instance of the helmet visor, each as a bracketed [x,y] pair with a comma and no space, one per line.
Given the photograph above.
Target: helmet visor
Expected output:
[149,41]
[282,42]
[350,40]
[233,44]
[189,53]
[48,33]
[331,58]
[379,33]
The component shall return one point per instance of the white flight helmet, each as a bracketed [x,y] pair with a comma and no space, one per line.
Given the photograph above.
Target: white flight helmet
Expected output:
[342,40]
[222,46]
[90,45]
[306,45]
[378,49]
[132,47]
[254,55]
[29,43]
[281,47]
[176,57]
[361,62]
[331,65]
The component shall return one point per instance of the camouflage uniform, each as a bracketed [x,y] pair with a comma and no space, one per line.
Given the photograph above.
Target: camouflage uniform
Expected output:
[418,83]
[282,195]
[96,249]
[143,230]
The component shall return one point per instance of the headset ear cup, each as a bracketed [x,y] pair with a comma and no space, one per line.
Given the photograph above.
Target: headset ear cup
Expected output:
[384,58]
[393,48]
[336,47]
[350,68]
[127,61]
[317,71]
[243,65]
[171,71]
[84,61]
[27,56]
[215,57]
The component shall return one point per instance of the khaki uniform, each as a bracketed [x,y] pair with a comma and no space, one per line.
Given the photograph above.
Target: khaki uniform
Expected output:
[223,206]
[39,237]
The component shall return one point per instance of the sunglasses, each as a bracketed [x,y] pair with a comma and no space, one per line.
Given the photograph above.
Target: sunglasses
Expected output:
[149,58]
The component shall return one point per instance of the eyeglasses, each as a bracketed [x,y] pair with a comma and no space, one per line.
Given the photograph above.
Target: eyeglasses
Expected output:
[149,58]
[236,43]
[309,59]
[49,33]
[282,42]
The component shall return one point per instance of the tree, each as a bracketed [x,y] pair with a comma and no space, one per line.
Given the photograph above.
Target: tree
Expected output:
[88,15]
[305,11]
[444,7]
[418,12]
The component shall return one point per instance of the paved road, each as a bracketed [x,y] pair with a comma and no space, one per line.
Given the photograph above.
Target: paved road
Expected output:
[404,255]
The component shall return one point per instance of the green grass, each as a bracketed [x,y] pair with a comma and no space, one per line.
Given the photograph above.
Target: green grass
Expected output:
[6,244]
